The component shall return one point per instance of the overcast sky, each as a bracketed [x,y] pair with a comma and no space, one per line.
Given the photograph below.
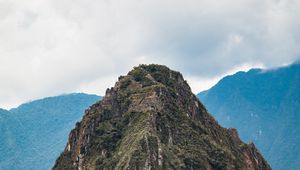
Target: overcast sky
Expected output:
[50,47]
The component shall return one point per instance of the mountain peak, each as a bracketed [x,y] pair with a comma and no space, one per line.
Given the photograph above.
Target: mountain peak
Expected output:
[153,74]
[150,119]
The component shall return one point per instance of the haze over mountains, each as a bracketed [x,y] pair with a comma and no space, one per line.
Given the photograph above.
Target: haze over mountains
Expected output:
[33,134]
[264,105]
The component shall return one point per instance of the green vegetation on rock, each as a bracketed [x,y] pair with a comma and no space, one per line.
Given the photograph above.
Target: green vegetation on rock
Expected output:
[152,120]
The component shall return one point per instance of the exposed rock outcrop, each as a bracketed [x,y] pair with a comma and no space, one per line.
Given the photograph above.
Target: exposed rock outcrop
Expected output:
[150,119]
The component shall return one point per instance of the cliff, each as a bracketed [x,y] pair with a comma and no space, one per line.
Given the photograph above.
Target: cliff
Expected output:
[150,119]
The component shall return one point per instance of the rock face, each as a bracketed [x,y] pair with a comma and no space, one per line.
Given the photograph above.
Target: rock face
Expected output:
[150,119]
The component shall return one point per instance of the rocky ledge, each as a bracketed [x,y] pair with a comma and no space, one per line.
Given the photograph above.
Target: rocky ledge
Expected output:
[150,119]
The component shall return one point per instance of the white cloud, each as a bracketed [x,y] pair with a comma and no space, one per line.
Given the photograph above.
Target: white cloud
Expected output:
[199,84]
[56,46]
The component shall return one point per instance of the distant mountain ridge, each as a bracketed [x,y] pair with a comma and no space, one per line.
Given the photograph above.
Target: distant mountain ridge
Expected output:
[264,105]
[33,134]
[8,139]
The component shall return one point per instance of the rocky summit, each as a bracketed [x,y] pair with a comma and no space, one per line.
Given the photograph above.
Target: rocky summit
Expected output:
[150,119]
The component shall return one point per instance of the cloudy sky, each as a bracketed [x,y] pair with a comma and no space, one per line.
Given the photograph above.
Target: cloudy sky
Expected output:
[50,47]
